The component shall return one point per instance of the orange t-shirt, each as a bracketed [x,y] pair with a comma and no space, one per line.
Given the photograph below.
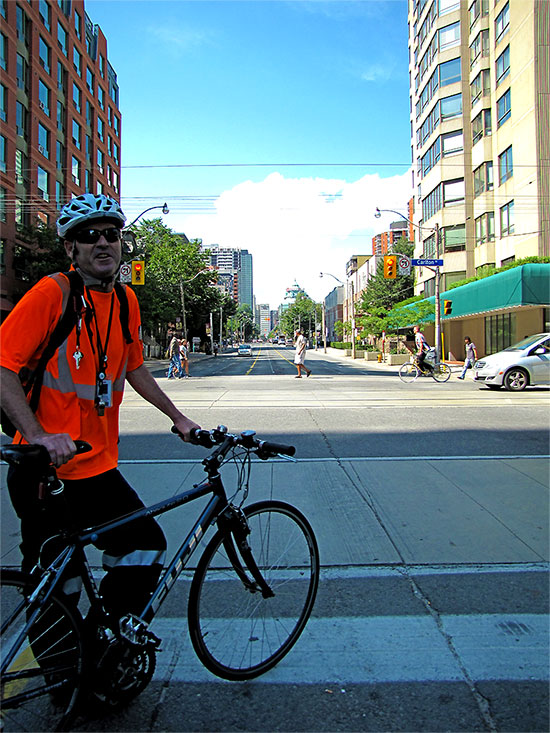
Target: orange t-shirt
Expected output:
[67,399]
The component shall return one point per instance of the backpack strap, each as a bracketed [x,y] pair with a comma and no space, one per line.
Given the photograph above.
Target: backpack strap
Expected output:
[120,291]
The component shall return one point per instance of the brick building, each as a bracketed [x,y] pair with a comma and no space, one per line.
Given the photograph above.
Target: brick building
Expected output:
[60,122]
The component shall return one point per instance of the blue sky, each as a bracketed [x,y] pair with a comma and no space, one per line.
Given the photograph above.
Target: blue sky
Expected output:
[223,102]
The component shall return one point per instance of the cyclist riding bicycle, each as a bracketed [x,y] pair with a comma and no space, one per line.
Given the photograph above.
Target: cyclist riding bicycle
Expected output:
[81,393]
[422,349]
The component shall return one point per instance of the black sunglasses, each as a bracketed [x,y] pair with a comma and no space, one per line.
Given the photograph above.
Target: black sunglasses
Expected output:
[91,236]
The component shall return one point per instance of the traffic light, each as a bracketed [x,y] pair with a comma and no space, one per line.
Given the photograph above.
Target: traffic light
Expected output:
[138,272]
[390,267]
[447,307]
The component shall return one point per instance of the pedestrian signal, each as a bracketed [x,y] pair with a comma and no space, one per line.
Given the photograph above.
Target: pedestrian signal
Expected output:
[447,307]
[390,267]
[138,272]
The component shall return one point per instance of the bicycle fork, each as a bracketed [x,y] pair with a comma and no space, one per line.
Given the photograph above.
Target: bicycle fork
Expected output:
[233,523]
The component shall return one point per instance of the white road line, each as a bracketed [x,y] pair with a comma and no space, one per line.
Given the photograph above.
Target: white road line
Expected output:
[345,650]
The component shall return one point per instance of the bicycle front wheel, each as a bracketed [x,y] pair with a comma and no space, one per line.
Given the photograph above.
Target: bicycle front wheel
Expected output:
[236,632]
[441,372]
[408,372]
[41,668]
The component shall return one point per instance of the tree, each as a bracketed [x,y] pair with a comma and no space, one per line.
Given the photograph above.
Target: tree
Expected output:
[304,313]
[43,254]
[245,321]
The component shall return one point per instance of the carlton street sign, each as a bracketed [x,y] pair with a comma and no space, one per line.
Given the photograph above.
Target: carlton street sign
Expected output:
[427,263]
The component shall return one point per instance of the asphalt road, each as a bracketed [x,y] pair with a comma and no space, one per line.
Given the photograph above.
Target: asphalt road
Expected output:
[430,504]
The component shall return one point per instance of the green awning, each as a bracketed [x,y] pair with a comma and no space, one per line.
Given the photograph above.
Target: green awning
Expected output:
[526,285]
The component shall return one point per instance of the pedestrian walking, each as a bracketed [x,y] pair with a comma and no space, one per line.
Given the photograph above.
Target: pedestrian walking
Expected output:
[471,355]
[300,354]
[174,368]
[184,358]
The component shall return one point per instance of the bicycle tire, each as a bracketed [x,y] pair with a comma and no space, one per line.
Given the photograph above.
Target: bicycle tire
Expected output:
[408,372]
[441,372]
[40,688]
[238,634]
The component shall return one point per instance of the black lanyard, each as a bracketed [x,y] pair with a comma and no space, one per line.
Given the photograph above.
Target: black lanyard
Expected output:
[101,351]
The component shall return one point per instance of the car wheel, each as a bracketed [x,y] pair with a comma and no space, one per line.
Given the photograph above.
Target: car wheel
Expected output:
[516,379]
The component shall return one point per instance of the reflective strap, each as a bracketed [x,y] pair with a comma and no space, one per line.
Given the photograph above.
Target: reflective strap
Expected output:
[132,559]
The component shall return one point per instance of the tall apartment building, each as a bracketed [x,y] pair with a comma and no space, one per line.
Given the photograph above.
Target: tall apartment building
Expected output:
[386,242]
[60,122]
[235,272]
[263,319]
[480,123]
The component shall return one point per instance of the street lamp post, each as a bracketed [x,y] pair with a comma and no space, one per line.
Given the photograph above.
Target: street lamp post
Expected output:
[435,269]
[349,286]
[164,207]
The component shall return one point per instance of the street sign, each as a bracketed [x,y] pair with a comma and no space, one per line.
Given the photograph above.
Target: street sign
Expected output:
[404,265]
[126,272]
[427,263]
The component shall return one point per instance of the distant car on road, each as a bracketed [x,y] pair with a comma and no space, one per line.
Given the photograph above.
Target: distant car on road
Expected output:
[245,350]
[526,363]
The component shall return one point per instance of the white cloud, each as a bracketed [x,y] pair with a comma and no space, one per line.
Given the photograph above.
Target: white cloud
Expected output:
[176,39]
[297,227]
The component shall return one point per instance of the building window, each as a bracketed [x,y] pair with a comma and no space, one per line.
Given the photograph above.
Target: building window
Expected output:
[2,203]
[502,22]
[504,107]
[77,61]
[21,119]
[59,155]
[21,168]
[480,85]
[3,103]
[45,13]
[452,142]
[89,149]
[3,52]
[78,25]
[22,73]
[505,165]
[43,141]
[100,161]
[101,97]
[43,184]
[59,195]
[100,129]
[446,6]
[116,154]
[89,114]
[507,219]
[480,47]
[88,181]
[454,238]
[453,192]
[449,72]
[116,126]
[62,76]
[76,135]
[431,157]
[485,228]
[89,80]
[75,170]
[449,36]
[503,65]
[44,97]
[499,332]
[62,39]
[61,116]
[77,98]
[481,125]
[431,203]
[477,8]
[22,24]
[102,66]
[3,154]
[483,178]
[115,182]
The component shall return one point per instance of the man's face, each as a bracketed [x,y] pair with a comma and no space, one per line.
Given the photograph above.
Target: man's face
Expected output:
[99,259]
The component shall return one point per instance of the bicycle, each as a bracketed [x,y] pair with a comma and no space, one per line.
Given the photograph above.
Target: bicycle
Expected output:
[410,371]
[251,595]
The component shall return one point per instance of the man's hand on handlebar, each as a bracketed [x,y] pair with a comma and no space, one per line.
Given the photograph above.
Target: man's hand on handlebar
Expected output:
[184,426]
[60,446]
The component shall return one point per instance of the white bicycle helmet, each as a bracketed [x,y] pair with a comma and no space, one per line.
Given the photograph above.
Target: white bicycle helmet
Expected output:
[87,208]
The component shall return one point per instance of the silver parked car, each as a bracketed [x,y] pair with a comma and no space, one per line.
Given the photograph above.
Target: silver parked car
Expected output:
[245,350]
[524,364]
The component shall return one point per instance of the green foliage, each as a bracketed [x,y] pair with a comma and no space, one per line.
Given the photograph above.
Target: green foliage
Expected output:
[45,252]
[303,313]
[488,270]
[339,329]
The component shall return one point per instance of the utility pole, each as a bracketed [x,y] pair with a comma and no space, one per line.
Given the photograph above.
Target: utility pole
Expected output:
[437,303]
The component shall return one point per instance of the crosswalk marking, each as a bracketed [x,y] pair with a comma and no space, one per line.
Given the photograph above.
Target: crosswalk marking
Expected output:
[490,647]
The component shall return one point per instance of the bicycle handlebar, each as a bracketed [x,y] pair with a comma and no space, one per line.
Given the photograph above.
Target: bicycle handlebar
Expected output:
[265,449]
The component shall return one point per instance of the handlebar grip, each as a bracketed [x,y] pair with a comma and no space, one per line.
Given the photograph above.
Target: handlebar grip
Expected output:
[197,436]
[82,447]
[286,450]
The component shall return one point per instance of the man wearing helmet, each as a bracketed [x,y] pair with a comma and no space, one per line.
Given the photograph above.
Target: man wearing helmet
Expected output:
[80,399]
